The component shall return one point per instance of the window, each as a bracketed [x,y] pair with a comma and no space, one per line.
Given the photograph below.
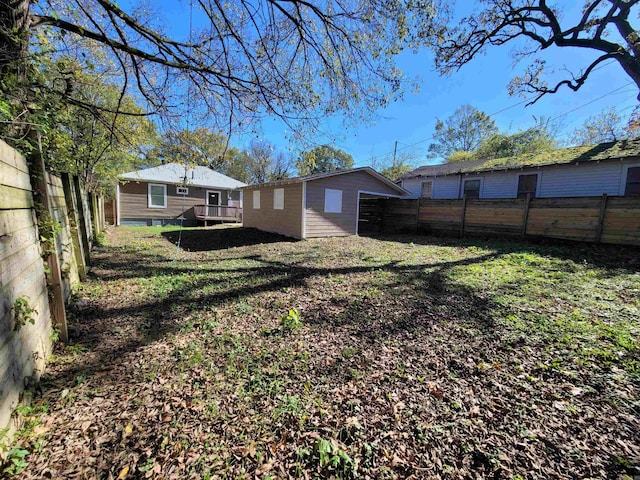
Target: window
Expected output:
[471,188]
[332,200]
[157,196]
[256,199]
[632,187]
[182,190]
[527,185]
[427,189]
[278,199]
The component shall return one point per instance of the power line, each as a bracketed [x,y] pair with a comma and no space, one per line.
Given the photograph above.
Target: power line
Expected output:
[515,105]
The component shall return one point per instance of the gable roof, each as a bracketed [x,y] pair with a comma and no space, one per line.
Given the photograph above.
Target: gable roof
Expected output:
[562,156]
[174,173]
[318,176]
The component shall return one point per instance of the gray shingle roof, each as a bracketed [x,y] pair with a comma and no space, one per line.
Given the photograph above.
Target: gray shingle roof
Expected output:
[561,156]
[174,173]
[335,173]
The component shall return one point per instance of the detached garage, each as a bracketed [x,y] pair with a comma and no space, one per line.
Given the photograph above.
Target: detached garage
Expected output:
[322,205]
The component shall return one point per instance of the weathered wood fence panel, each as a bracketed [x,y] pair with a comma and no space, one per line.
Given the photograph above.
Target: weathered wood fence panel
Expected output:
[32,293]
[64,242]
[590,219]
[23,348]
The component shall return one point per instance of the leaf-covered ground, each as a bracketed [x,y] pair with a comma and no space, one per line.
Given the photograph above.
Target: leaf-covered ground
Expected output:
[417,357]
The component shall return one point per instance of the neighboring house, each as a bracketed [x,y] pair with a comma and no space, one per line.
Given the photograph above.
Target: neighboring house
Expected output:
[322,205]
[611,168]
[172,193]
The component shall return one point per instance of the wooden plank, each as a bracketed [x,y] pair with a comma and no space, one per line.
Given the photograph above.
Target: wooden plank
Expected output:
[57,298]
[525,215]
[12,198]
[632,203]
[464,212]
[12,158]
[15,220]
[17,242]
[10,176]
[28,334]
[83,224]
[566,203]
[568,213]
[603,211]
[76,238]
[31,279]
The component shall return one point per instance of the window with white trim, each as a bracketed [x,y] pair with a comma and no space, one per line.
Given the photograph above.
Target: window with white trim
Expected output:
[332,200]
[278,199]
[426,190]
[256,199]
[182,190]
[157,196]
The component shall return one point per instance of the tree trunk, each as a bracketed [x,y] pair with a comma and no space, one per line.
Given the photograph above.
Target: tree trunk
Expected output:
[14,35]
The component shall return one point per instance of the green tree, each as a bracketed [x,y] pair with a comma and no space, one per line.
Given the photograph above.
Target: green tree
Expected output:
[323,159]
[462,131]
[606,126]
[95,143]
[532,140]
[460,156]
[199,146]
[603,27]
[394,172]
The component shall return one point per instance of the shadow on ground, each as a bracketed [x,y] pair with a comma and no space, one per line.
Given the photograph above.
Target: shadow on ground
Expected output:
[208,240]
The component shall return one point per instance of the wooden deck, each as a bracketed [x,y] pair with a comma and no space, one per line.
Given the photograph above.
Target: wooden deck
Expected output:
[217,213]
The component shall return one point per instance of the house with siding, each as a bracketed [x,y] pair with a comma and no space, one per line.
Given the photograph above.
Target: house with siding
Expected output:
[322,205]
[588,171]
[173,193]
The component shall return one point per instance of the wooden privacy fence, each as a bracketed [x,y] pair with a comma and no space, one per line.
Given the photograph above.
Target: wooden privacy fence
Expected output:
[37,276]
[590,219]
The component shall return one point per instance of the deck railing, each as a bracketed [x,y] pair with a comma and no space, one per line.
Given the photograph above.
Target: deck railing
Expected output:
[217,212]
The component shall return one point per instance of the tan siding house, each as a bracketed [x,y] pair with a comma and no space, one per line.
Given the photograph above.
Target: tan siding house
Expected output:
[170,194]
[324,205]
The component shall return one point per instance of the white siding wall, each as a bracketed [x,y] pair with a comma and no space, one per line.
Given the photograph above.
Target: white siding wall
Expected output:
[501,185]
[446,187]
[582,180]
[413,185]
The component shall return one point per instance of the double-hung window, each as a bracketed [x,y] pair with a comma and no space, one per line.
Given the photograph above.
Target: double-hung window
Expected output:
[157,197]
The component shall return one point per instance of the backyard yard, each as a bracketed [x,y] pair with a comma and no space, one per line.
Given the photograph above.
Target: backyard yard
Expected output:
[241,354]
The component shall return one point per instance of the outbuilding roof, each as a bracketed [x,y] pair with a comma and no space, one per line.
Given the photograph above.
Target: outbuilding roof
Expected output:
[175,173]
[318,176]
[562,156]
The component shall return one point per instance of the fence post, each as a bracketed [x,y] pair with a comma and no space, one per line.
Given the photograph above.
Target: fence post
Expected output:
[82,222]
[53,262]
[417,215]
[464,214]
[73,221]
[525,215]
[603,213]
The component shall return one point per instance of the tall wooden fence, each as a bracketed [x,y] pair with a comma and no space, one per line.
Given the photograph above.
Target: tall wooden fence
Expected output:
[591,219]
[33,294]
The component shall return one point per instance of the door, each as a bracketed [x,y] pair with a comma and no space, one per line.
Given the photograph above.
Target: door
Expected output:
[213,203]
[213,198]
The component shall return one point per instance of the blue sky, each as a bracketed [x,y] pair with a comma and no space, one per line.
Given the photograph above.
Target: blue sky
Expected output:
[482,83]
